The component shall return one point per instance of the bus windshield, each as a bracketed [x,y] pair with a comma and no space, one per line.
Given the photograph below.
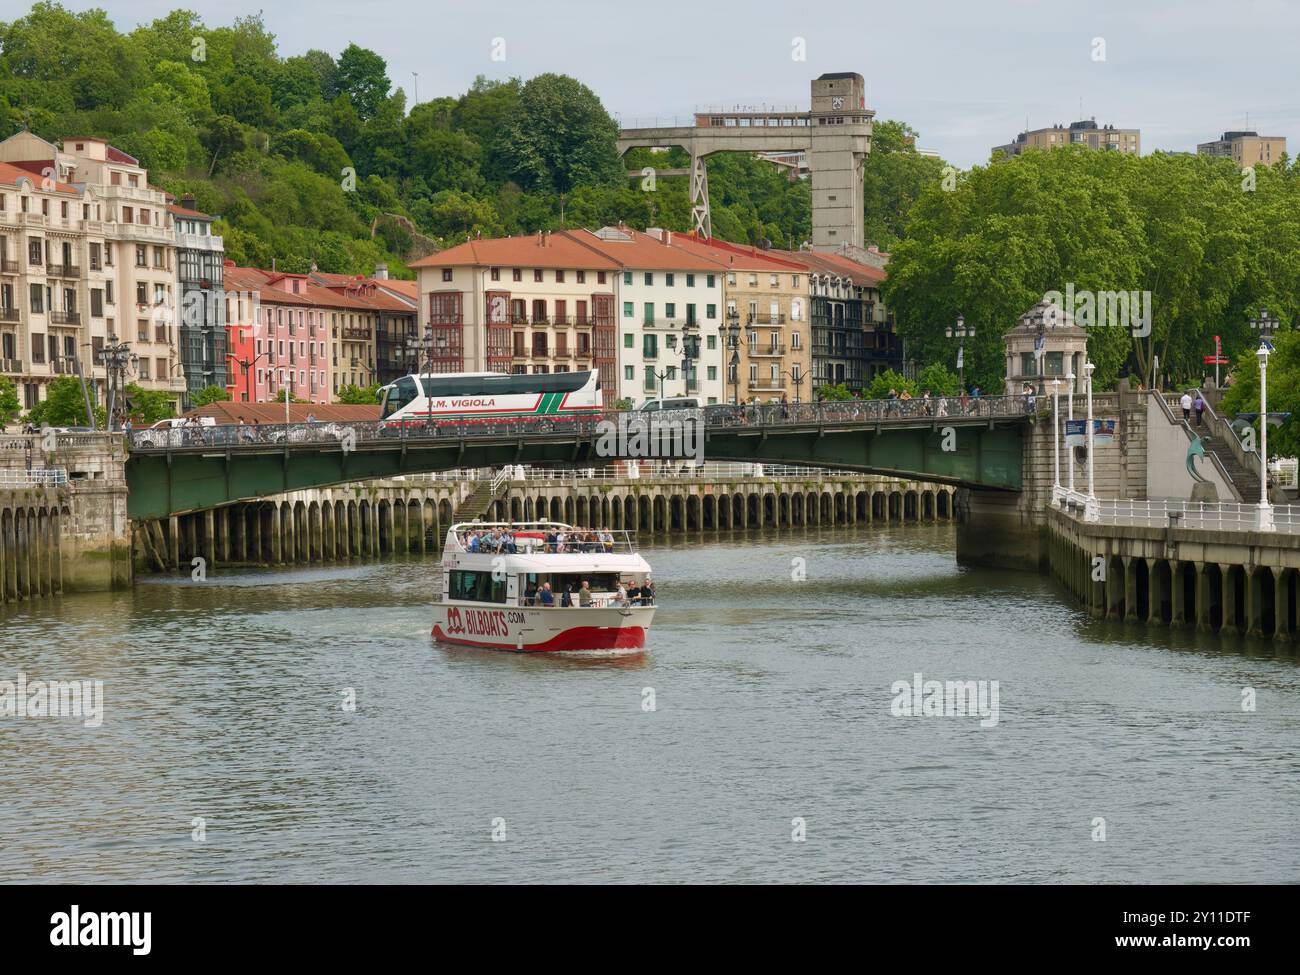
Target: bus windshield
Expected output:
[399,394]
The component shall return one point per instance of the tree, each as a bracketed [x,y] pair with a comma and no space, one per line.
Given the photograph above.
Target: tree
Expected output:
[362,76]
[209,394]
[10,406]
[561,137]
[833,394]
[939,380]
[63,406]
[358,395]
[147,406]
[894,176]
[887,382]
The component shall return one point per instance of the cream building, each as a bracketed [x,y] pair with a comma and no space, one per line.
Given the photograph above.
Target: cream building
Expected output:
[1246,148]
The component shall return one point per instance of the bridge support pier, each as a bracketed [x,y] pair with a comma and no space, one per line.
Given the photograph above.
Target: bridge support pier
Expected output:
[998,528]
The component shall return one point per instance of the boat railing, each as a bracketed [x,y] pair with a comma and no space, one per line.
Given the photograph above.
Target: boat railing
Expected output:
[530,539]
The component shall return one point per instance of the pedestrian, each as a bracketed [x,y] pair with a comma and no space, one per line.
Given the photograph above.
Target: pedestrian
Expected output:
[1186,404]
[1199,405]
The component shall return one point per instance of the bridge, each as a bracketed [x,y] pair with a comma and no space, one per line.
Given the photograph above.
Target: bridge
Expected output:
[973,443]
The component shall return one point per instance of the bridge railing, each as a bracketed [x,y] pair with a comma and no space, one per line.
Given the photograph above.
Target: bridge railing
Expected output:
[720,416]
[1172,513]
[25,478]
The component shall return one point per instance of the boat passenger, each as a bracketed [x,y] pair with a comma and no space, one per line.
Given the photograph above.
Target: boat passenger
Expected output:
[648,592]
[584,594]
[620,597]
[566,597]
[474,545]
[546,597]
[530,593]
[634,594]
[607,539]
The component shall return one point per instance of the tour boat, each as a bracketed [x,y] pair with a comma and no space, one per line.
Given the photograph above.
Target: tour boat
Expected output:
[491,595]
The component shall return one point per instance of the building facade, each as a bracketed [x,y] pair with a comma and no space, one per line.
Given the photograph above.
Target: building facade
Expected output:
[200,262]
[670,315]
[1246,148]
[1086,133]
[537,304]
[398,347]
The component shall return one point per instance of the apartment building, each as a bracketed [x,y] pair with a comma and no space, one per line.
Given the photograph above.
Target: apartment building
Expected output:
[280,337]
[1086,133]
[853,334]
[536,304]
[399,349]
[766,317]
[200,262]
[670,315]
[56,281]
[1246,148]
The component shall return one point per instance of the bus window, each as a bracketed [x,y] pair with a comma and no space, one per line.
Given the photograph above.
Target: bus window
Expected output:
[400,394]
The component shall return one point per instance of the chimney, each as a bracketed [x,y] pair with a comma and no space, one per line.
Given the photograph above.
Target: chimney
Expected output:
[654,232]
[668,238]
[188,202]
[381,272]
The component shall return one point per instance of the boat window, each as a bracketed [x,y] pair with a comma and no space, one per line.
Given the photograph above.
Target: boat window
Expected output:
[479,587]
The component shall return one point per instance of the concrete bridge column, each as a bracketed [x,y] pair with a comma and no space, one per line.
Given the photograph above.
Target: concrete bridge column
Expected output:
[241,533]
[1177,596]
[174,539]
[1157,591]
[1130,589]
[1254,586]
[209,528]
[1282,604]
[1228,589]
[1204,598]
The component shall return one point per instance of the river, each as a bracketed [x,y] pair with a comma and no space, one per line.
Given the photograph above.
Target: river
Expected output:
[754,741]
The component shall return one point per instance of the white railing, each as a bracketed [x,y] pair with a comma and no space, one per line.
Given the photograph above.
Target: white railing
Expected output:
[674,470]
[1284,471]
[1211,515]
[498,479]
[25,478]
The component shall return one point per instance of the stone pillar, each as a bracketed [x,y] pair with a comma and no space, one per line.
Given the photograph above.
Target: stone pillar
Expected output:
[1255,601]
[1131,589]
[1177,596]
[1204,598]
[1155,592]
[174,540]
[210,537]
[1229,593]
[1282,604]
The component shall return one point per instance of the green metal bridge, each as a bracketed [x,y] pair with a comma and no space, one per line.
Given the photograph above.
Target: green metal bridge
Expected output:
[973,444]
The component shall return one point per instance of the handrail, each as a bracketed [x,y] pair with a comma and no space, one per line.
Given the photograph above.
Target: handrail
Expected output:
[1191,436]
[1249,460]
[1171,513]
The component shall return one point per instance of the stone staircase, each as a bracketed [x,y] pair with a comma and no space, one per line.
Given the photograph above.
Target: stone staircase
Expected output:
[477,502]
[1245,481]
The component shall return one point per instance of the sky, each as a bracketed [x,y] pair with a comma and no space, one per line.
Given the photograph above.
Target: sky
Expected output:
[966,74]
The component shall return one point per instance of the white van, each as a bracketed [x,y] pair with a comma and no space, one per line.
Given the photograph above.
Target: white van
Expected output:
[658,405]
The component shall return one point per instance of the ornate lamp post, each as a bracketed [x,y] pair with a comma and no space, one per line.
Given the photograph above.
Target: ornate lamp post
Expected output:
[961,332]
[118,357]
[1056,439]
[1069,418]
[1266,325]
[1092,497]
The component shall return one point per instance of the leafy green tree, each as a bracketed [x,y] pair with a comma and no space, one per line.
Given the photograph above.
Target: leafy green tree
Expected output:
[888,381]
[10,406]
[358,395]
[147,406]
[939,380]
[362,76]
[894,175]
[209,394]
[561,137]
[63,406]
[833,394]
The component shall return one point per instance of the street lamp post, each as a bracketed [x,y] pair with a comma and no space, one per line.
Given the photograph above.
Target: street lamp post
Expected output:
[1069,418]
[1266,325]
[961,332]
[117,358]
[1092,496]
[1056,438]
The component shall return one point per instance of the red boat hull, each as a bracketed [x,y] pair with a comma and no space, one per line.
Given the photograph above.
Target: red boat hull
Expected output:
[576,638]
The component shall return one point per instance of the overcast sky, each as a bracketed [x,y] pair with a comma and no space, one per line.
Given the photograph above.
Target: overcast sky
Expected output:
[965,73]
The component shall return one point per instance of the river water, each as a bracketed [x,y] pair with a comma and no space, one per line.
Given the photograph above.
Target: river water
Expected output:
[761,711]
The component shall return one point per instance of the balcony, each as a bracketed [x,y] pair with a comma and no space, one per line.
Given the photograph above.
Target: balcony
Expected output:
[65,318]
[9,267]
[767,319]
[8,314]
[356,333]
[64,271]
[11,365]
[767,350]
[766,385]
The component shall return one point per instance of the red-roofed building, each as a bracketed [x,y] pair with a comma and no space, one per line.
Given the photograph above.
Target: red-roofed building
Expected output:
[537,304]
[399,350]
